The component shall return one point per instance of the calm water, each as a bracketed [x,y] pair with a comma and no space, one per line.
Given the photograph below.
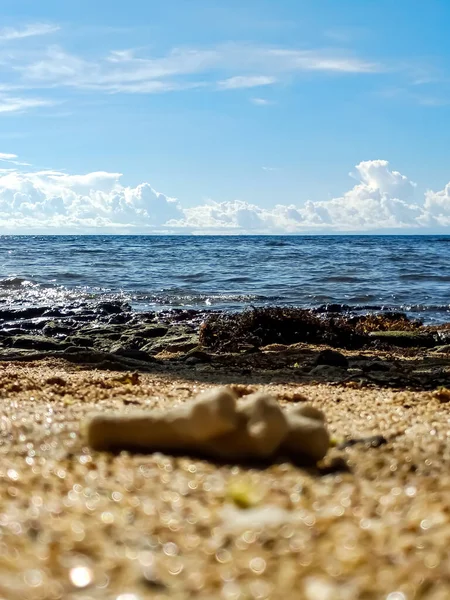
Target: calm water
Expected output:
[410,273]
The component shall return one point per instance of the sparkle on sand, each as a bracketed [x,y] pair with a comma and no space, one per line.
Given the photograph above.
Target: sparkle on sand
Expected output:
[371,523]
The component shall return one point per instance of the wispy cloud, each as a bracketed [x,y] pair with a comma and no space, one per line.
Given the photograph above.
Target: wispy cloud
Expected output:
[245,81]
[6,156]
[14,105]
[182,68]
[260,101]
[11,33]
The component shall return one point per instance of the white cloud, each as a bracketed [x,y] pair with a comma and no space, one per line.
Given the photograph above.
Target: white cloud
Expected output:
[245,81]
[260,101]
[10,33]
[181,68]
[15,104]
[7,156]
[53,201]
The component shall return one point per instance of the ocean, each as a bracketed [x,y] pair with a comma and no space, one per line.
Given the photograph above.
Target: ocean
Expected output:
[360,273]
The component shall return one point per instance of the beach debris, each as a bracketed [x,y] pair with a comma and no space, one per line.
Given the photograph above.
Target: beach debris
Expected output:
[242,493]
[261,426]
[218,425]
[307,435]
[183,427]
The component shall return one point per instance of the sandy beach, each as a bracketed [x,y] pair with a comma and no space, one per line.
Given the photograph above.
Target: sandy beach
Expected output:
[371,521]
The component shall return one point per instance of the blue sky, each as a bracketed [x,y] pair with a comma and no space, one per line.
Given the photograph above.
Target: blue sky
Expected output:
[258,101]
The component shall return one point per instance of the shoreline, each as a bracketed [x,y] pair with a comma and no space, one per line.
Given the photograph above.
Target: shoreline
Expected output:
[370,520]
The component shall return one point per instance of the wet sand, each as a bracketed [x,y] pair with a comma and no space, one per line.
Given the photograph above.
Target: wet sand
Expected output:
[372,521]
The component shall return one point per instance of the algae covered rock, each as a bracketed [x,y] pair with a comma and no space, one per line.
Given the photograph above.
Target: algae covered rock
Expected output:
[405,339]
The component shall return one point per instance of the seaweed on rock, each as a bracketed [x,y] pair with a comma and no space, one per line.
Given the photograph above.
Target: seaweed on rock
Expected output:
[259,327]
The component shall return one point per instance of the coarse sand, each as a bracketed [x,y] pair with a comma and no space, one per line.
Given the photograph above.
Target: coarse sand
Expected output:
[372,521]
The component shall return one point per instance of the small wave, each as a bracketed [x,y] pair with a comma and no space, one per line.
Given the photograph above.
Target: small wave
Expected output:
[194,277]
[276,243]
[241,279]
[424,277]
[175,299]
[15,283]
[341,279]
[425,308]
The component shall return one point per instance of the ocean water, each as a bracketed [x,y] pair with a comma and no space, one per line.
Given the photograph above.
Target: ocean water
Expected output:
[407,273]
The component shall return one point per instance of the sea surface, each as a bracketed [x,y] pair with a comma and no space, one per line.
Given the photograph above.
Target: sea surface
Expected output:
[364,273]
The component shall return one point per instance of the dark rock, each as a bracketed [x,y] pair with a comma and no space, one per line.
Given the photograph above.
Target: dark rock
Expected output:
[332,308]
[332,358]
[36,342]
[80,341]
[199,355]
[119,318]
[405,339]
[328,371]
[152,331]
[54,328]
[24,313]
[376,365]
[33,324]
[192,360]
[9,331]
[131,353]
[172,343]
[444,349]
[110,308]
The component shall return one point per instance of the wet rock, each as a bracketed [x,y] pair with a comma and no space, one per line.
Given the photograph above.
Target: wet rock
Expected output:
[119,318]
[376,365]
[333,308]
[327,371]
[199,355]
[406,339]
[24,313]
[110,308]
[152,331]
[332,358]
[35,342]
[172,344]
[131,353]
[442,349]
[54,328]
[81,341]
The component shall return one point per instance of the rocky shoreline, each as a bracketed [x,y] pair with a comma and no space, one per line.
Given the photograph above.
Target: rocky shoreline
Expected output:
[384,349]
[370,521]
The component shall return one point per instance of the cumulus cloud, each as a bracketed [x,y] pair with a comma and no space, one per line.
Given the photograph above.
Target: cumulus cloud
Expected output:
[57,202]
[50,200]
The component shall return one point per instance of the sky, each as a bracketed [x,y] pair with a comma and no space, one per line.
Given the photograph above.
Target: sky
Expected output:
[205,116]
